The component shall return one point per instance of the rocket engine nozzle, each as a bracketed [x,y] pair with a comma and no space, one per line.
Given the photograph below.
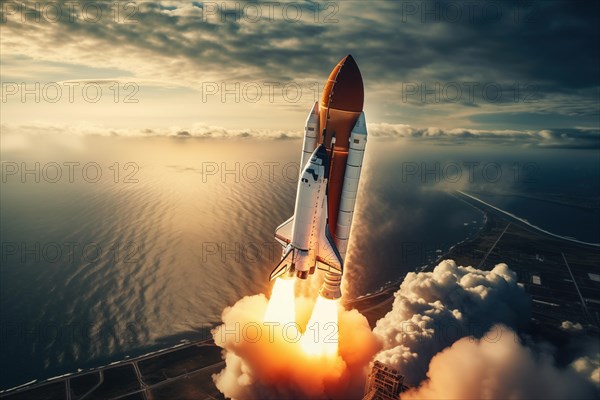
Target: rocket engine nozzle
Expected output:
[302,274]
[331,288]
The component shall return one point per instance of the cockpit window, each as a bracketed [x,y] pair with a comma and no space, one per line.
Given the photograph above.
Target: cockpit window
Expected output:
[313,173]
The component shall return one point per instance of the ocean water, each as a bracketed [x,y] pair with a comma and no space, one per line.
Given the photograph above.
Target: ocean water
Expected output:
[93,271]
[142,242]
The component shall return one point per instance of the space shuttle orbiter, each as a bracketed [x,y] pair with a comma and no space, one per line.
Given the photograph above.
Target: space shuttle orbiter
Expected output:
[335,136]
[305,236]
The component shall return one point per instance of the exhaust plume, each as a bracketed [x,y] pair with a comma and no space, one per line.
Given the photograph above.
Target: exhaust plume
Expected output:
[266,359]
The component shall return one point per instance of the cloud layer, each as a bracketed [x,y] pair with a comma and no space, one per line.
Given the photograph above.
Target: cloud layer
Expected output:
[559,138]
[448,64]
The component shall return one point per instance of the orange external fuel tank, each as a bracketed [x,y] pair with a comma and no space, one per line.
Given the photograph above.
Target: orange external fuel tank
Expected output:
[340,106]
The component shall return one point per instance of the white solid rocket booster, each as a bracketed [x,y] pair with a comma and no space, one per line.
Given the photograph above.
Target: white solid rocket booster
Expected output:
[358,141]
[331,288]
[311,129]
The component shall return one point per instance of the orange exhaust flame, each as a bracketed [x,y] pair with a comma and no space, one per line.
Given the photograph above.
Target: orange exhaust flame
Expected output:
[321,335]
[281,308]
[273,362]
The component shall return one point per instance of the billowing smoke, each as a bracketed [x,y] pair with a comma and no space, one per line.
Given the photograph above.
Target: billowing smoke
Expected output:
[267,361]
[432,310]
[451,332]
[571,327]
[589,367]
[498,367]
[583,353]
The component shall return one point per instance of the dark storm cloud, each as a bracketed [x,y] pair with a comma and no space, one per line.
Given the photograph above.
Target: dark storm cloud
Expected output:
[536,119]
[547,48]
[552,41]
[549,41]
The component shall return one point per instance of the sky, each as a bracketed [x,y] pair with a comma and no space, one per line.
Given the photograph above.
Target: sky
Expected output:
[517,69]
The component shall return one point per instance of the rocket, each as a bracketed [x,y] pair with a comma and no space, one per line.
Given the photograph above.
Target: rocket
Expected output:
[335,136]
[305,237]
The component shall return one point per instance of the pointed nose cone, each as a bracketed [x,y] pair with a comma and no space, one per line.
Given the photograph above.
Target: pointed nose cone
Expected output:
[344,89]
[361,125]
[315,110]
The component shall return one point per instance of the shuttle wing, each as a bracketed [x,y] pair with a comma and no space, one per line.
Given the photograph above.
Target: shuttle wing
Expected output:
[284,265]
[283,233]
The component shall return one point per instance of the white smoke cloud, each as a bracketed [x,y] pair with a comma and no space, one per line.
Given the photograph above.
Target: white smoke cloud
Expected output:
[570,326]
[499,367]
[584,353]
[589,367]
[274,366]
[450,333]
[434,309]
